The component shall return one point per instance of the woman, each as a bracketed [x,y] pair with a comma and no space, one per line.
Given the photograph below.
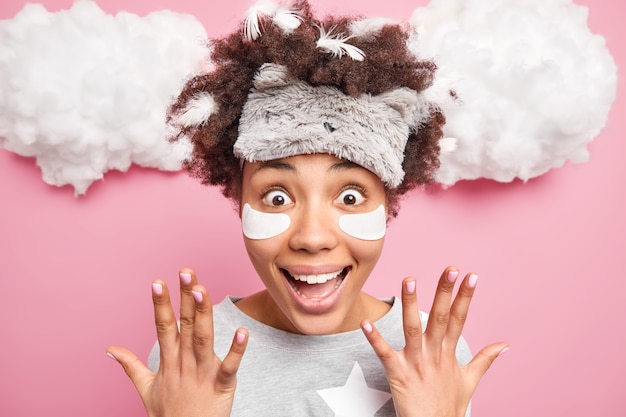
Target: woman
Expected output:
[314,129]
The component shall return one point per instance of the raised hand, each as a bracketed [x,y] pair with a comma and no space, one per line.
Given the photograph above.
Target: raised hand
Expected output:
[191,380]
[425,377]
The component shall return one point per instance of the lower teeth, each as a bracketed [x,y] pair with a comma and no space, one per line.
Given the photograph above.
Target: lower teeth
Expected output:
[339,279]
[320,296]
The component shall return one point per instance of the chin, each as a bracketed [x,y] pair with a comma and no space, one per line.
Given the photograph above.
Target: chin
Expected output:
[319,325]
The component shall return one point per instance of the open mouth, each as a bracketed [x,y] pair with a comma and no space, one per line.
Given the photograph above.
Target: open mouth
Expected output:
[316,287]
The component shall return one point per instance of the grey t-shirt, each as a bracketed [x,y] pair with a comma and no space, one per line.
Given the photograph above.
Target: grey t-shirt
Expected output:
[291,375]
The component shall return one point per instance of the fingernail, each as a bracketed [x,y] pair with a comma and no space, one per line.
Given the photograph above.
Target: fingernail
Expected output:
[240,337]
[185,278]
[157,289]
[503,351]
[367,327]
[452,276]
[197,295]
[409,286]
[111,356]
[472,280]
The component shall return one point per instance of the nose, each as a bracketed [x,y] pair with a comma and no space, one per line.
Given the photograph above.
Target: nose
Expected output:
[314,230]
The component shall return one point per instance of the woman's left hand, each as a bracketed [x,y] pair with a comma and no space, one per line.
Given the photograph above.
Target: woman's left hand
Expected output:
[425,377]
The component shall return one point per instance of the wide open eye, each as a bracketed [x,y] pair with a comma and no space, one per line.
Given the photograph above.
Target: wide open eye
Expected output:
[351,197]
[276,198]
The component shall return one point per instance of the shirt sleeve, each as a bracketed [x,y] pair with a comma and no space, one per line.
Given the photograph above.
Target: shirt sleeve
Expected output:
[464,356]
[154,358]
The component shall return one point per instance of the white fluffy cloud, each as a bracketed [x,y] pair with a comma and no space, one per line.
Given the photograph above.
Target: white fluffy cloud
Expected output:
[85,92]
[534,84]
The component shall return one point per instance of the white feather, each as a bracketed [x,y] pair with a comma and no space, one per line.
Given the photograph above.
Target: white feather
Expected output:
[252,27]
[448,145]
[286,19]
[198,110]
[337,45]
[369,27]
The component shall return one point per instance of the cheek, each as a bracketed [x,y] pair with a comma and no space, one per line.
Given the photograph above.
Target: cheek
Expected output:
[262,232]
[257,225]
[366,253]
[365,226]
[262,255]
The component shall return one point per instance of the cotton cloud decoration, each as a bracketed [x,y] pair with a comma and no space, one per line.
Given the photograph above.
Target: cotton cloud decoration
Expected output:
[533,85]
[84,92]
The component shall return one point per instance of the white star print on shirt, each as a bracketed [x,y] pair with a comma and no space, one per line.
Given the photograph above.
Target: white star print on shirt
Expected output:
[355,398]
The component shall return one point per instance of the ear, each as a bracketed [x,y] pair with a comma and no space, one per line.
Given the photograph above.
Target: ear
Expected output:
[411,106]
[271,76]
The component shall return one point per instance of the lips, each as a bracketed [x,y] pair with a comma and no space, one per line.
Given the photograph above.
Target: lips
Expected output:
[315,287]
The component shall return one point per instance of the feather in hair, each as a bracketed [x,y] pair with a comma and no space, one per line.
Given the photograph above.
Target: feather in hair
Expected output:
[198,110]
[371,27]
[286,19]
[252,26]
[337,46]
[448,145]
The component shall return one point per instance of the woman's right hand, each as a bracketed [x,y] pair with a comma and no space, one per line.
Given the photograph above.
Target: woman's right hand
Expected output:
[425,376]
[191,380]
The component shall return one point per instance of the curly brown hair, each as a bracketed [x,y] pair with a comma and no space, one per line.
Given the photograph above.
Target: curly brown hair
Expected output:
[388,64]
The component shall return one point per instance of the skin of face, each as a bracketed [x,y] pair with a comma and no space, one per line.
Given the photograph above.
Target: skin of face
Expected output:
[314,191]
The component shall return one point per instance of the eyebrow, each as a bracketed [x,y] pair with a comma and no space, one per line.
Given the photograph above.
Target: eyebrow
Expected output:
[275,164]
[285,166]
[343,165]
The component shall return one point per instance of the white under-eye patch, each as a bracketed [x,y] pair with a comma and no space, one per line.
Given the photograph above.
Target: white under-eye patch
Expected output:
[365,226]
[259,225]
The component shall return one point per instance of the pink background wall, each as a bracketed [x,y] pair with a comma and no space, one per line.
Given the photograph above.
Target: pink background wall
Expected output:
[75,273]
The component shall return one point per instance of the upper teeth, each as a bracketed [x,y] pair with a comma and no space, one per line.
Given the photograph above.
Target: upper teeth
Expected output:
[316,279]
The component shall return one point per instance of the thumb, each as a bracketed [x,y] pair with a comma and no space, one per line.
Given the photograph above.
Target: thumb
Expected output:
[138,373]
[227,376]
[483,359]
